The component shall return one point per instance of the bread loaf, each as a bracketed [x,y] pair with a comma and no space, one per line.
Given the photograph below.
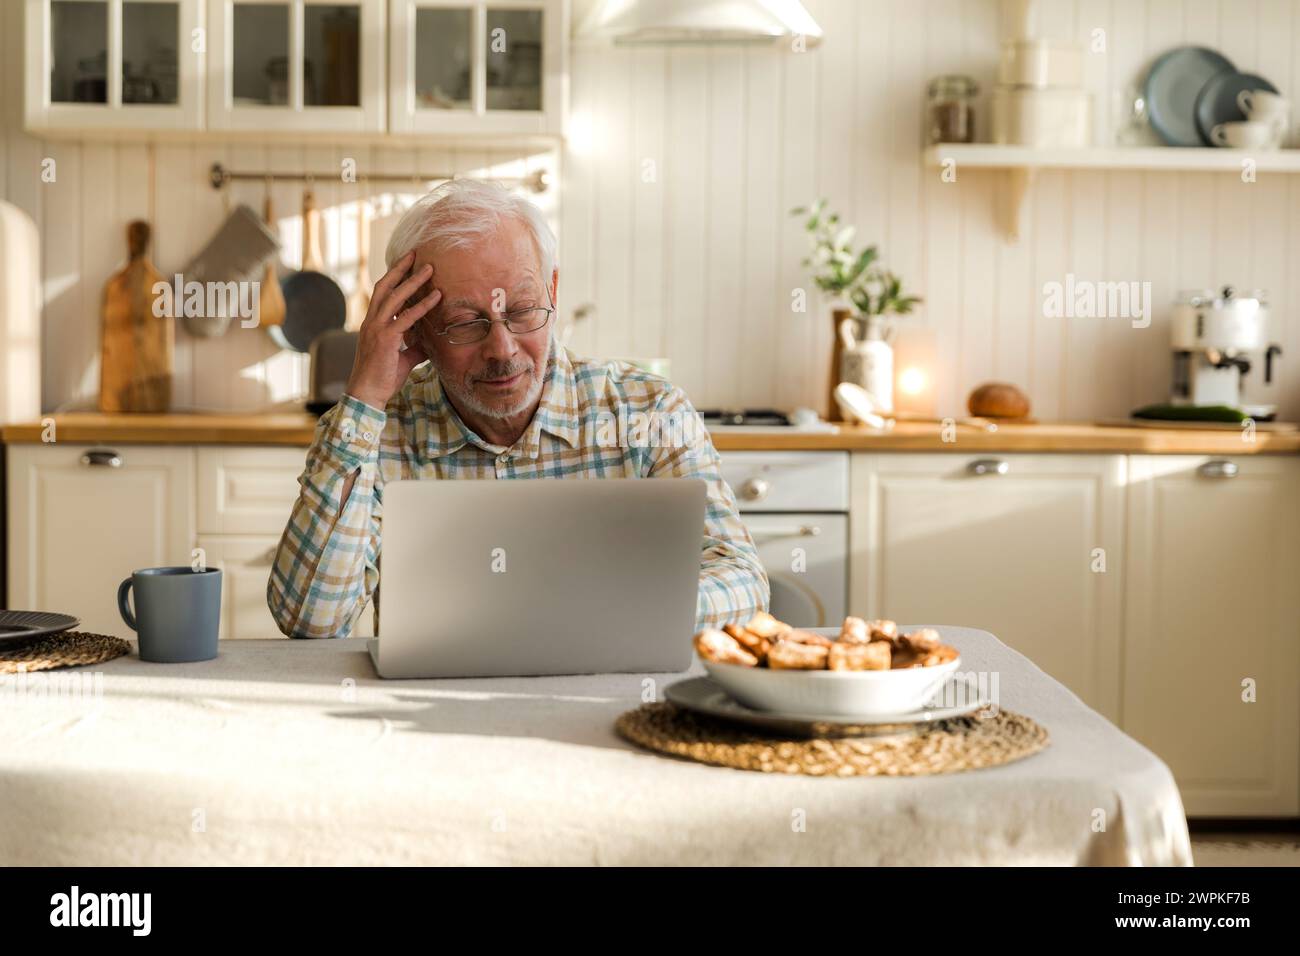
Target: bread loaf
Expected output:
[998,400]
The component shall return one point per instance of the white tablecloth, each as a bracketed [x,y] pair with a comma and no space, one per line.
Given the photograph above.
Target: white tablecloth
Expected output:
[294,752]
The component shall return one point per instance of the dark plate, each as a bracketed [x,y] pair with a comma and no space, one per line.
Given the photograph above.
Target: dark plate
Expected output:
[1172,87]
[19,626]
[1217,102]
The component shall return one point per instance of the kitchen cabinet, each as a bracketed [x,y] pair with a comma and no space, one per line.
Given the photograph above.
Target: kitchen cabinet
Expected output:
[245,496]
[1212,628]
[297,69]
[247,490]
[298,66]
[478,66]
[83,517]
[245,563]
[1027,546]
[121,65]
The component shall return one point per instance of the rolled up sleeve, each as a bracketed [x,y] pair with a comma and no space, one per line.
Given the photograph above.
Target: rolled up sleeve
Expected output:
[326,565]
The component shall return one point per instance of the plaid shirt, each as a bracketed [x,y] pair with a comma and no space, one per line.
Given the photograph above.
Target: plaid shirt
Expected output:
[327,565]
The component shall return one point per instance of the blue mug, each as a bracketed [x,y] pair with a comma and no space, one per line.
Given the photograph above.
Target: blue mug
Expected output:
[177,613]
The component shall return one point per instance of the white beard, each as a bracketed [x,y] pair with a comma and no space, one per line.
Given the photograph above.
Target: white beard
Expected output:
[463,394]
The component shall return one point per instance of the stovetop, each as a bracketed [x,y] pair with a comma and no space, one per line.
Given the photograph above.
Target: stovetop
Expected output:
[746,417]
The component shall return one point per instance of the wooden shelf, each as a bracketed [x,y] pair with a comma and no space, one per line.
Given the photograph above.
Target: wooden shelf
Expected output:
[1189,159]
[1021,163]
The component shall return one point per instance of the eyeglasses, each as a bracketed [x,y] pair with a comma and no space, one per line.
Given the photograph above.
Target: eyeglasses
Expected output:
[520,323]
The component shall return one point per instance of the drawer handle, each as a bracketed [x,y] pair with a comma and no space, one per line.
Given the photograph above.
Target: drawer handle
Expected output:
[803,531]
[989,466]
[1218,469]
[755,489]
[101,458]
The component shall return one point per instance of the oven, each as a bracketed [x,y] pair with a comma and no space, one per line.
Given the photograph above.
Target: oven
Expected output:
[796,505]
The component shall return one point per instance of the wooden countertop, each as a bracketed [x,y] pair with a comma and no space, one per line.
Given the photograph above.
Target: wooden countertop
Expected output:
[297,429]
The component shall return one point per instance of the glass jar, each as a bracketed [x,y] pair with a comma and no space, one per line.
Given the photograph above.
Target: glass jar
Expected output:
[951,110]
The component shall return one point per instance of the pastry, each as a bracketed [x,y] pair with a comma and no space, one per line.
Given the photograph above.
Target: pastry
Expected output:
[874,656]
[806,637]
[854,631]
[758,646]
[883,630]
[765,625]
[926,639]
[942,654]
[792,656]
[720,648]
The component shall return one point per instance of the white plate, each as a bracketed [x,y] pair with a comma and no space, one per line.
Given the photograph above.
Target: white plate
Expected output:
[702,695]
[839,694]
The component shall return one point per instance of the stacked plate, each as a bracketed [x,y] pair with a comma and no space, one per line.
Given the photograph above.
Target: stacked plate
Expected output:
[1191,90]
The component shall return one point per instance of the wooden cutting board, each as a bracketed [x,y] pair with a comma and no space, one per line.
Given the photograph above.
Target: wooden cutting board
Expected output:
[136,345]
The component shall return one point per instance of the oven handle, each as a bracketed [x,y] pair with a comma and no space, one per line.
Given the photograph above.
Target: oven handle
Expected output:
[801,531]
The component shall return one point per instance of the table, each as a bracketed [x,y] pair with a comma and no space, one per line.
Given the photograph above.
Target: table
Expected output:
[294,752]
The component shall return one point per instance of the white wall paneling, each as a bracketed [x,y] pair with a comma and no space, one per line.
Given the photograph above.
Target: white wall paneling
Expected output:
[698,262]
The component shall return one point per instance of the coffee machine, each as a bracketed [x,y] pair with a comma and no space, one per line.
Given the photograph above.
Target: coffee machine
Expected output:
[1217,341]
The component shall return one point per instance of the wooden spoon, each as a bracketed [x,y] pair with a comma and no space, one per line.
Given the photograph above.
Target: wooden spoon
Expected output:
[359,301]
[271,298]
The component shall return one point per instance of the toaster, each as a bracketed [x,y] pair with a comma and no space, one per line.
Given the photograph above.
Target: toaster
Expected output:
[332,354]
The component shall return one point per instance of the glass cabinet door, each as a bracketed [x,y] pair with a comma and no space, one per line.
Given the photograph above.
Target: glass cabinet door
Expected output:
[78,51]
[513,75]
[297,65]
[150,53]
[477,66]
[106,60]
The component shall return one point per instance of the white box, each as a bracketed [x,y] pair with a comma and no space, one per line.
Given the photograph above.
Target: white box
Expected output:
[1045,118]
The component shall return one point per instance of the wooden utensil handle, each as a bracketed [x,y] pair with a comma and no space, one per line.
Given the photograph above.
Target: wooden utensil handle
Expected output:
[312,260]
[137,238]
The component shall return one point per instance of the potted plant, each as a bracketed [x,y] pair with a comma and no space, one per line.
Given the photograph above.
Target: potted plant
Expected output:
[863,296]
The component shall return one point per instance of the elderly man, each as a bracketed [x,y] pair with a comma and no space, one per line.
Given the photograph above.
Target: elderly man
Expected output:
[471,288]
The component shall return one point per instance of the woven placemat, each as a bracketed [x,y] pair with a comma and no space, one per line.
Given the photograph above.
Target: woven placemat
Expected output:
[66,649]
[962,743]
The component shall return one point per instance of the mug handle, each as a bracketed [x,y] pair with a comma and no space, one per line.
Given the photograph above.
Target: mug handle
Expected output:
[1243,101]
[1217,136]
[124,607]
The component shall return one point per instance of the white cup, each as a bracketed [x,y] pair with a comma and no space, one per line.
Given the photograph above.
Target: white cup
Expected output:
[1249,134]
[1262,105]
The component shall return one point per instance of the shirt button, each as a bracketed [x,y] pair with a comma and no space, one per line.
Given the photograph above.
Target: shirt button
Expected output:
[368,436]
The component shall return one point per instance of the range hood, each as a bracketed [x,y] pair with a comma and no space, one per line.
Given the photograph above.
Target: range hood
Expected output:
[675,22]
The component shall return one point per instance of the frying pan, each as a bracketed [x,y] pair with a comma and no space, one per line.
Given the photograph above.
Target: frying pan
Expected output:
[313,302]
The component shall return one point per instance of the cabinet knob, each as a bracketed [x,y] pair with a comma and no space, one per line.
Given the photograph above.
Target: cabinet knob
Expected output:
[101,458]
[755,489]
[1219,468]
[989,466]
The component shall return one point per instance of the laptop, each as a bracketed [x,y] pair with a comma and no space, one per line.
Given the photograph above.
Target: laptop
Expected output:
[526,577]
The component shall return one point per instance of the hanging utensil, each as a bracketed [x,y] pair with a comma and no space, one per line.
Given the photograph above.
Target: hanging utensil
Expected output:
[359,301]
[270,297]
[313,302]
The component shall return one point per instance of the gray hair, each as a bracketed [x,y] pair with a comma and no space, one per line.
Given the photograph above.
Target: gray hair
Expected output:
[463,211]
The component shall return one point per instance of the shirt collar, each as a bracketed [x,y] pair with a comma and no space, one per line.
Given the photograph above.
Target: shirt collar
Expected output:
[557,413]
